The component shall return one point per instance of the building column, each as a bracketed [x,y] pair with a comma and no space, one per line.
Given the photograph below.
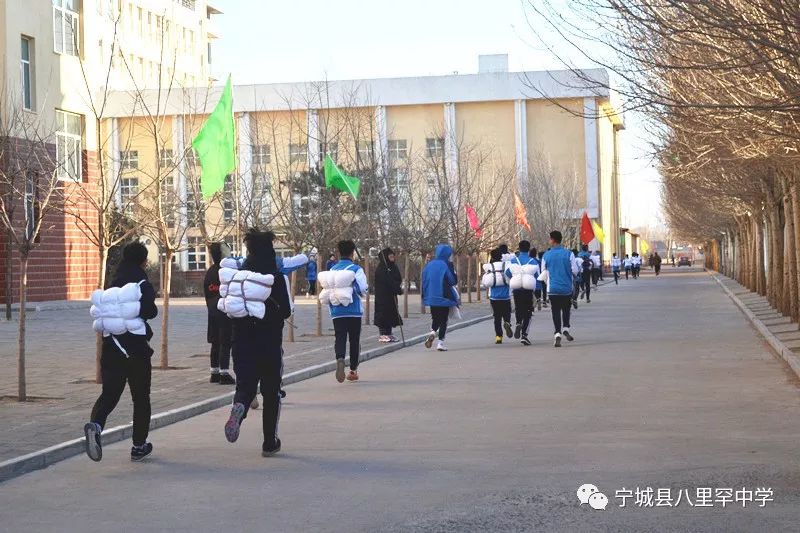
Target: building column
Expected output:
[115,165]
[592,156]
[382,146]
[450,139]
[313,139]
[245,166]
[521,137]
[178,149]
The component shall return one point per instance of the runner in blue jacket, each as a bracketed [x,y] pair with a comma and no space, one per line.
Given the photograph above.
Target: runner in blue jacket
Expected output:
[561,269]
[439,292]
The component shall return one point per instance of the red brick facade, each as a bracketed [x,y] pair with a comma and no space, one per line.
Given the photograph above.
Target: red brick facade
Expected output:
[64,264]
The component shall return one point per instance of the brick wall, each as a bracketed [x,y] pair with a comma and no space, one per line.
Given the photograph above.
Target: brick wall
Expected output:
[64,264]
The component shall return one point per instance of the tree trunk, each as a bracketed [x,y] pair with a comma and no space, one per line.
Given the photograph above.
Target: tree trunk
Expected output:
[790,272]
[469,278]
[101,284]
[775,281]
[22,388]
[366,306]
[319,303]
[165,290]
[421,301]
[9,282]
[796,223]
[407,282]
[477,279]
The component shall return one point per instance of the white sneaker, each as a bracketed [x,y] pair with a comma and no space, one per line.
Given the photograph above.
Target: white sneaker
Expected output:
[557,340]
[429,339]
[441,347]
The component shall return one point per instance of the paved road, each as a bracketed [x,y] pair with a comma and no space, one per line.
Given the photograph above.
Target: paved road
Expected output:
[666,386]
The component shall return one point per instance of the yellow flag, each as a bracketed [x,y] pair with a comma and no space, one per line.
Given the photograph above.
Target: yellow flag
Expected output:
[643,246]
[598,232]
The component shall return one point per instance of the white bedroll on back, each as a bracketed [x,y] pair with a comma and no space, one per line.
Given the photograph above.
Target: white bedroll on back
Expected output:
[243,293]
[523,276]
[494,275]
[116,310]
[337,287]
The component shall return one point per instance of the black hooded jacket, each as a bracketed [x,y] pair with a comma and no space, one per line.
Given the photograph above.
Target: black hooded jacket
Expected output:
[135,345]
[388,285]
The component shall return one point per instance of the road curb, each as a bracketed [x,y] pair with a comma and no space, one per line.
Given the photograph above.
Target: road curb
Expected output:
[777,345]
[40,459]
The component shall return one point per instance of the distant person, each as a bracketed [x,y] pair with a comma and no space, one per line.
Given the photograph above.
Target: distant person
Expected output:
[438,293]
[218,331]
[587,265]
[627,263]
[311,275]
[672,259]
[616,264]
[494,279]
[597,267]
[561,268]
[636,266]
[657,263]
[258,347]
[388,286]
[331,261]
[577,277]
[544,284]
[347,318]
[125,358]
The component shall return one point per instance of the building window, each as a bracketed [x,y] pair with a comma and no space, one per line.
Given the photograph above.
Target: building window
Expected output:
[262,192]
[191,209]
[228,204]
[331,148]
[191,158]
[435,148]
[298,153]
[68,146]
[128,191]
[196,253]
[65,27]
[365,151]
[402,192]
[165,159]
[26,64]
[169,202]
[129,159]
[398,150]
[434,204]
[260,154]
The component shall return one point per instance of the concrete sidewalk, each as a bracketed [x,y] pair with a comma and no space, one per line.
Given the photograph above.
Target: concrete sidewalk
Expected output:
[666,386]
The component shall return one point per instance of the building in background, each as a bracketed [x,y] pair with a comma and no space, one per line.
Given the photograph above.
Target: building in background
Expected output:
[55,58]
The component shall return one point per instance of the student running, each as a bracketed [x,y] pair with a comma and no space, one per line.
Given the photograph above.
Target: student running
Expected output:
[522,272]
[560,266]
[616,263]
[126,352]
[494,279]
[439,282]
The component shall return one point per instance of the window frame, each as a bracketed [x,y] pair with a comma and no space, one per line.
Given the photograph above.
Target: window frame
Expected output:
[434,147]
[196,254]
[298,153]
[62,11]
[260,154]
[394,150]
[69,138]
[129,159]
[29,87]
[128,191]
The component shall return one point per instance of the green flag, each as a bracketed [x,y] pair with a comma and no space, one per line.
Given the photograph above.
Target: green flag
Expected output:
[339,180]
[215,145]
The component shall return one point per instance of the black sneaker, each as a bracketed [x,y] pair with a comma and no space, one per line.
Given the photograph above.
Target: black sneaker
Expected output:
[140,452]
[226,379]
[518,331]
[269,451]
[557,341]
[567,336]
[283,393]
[94,448]
[507,327]
[214,377]
[575,304]
[525,340]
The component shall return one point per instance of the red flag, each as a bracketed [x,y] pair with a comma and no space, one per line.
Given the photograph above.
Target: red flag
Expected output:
[520,214]
[472,217]
[587,233]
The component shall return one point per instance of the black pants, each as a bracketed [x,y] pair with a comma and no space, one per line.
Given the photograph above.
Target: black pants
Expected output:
[560,307]
[586,283]
[348,328]
[627,272]
[312,287]
[658,269]
[116,370]
[258,358]
[439,318]
[501,309]
[219,335]
[636,271]
[616,276]
[596,275]
[523,307]
[576,287]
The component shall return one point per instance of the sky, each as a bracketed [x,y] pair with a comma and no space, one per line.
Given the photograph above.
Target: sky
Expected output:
[266,41]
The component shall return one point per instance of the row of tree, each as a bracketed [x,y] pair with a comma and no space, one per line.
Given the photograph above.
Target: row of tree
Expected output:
[719,82]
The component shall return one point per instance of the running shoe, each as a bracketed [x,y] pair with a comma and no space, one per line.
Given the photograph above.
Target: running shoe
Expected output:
[340,370]
[557,340]
[429,339]
[567,336]
[498,339]
[269,451]
[352,375]
[94,447]
[441,347]
[509,331]
[234,423]
[140,452]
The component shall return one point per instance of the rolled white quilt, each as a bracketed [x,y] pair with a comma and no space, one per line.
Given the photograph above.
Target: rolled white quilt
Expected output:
[116,310]
[242,292]
[337,287]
